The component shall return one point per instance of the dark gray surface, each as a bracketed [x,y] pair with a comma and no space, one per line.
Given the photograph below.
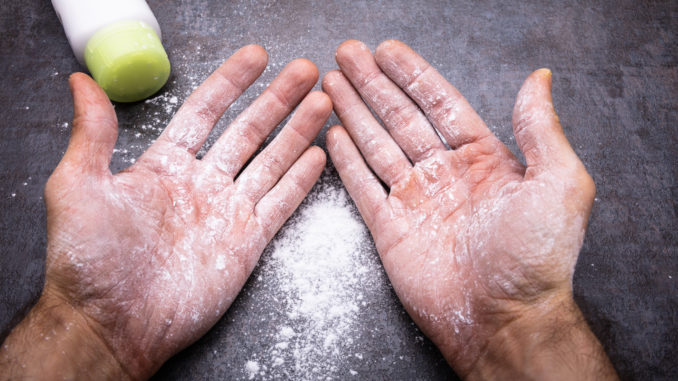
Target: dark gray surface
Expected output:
[615,88]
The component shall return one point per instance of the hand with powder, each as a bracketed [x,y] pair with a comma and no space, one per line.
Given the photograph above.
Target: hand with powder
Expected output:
[142,263]
[479,248]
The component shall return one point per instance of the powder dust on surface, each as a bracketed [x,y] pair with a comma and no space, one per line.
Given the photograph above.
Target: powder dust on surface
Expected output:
[321,262]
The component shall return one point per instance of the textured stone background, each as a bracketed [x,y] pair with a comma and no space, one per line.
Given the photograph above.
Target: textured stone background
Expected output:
[615,88]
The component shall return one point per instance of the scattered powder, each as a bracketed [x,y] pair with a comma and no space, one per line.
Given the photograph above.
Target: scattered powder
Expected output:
[155,113]
[252,368]
[167,101]
[321,262]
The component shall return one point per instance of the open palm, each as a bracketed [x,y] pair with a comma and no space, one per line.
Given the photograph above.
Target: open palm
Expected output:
[154,255]
[470,238]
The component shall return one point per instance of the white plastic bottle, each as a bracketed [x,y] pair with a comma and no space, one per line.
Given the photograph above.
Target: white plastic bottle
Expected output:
[119,42]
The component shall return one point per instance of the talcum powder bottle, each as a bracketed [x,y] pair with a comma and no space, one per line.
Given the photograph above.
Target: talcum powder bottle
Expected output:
[120,43]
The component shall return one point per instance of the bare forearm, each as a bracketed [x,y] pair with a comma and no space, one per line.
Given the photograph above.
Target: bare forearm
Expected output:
[550,343]
[54,342]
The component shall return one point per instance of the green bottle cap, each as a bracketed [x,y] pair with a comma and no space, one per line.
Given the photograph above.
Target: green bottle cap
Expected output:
[127,60]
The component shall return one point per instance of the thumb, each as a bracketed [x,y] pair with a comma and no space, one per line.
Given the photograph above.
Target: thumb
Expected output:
[95,127]
[537,129]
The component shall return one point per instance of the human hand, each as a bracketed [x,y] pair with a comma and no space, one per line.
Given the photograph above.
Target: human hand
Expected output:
[479,248]
[147,260]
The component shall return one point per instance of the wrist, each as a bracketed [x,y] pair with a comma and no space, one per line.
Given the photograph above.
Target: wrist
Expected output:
[55,341]
[550,340]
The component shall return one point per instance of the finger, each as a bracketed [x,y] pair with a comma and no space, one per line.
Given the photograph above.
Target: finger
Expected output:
[267,168]
[362,185]
[442,103]
[250,129]
[95,127]
[403,119]
[537,128]
[192,124]
[279,204]
[380,150]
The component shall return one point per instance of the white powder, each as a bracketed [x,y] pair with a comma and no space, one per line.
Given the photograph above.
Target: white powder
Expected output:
[252,368]
[166,100]
[321,261]
[221,263]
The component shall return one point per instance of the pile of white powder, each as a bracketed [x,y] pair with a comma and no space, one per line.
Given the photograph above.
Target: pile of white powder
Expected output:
[321,262]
